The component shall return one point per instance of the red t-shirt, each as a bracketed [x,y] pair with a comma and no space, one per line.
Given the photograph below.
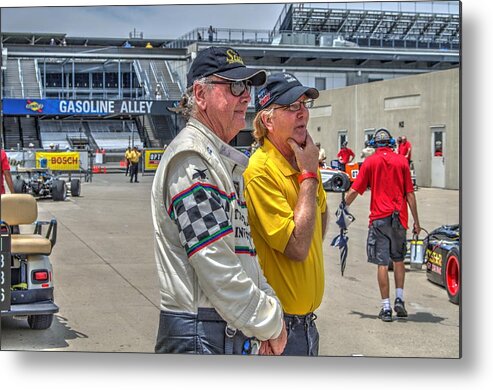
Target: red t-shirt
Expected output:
[404,148]
[389,178]
[4,166]
[345,154]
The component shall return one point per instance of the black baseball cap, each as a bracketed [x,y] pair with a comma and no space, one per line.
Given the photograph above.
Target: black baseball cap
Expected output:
[283,88]
[382,136]
[223,62]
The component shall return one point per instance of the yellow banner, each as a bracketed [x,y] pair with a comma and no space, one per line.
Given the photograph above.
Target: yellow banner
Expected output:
[58,161]
[152,157]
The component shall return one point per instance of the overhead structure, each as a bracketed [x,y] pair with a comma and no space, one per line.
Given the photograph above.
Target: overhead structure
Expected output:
[372,28]
[55,85]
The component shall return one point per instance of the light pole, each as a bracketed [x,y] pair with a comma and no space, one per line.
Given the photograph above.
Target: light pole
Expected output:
[132,131]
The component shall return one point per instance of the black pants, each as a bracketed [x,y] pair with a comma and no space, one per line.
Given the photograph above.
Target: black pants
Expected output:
[134,169]
[203,333]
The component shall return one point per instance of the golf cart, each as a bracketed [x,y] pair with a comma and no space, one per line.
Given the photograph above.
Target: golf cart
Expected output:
[30,267]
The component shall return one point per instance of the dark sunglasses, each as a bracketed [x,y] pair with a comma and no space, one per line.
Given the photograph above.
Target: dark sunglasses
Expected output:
[296,106]
[237,87]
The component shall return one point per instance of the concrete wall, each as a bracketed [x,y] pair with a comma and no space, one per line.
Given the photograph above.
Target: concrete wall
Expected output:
[419,103]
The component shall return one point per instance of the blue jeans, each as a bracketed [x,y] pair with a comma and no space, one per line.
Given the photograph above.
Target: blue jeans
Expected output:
[203,333]
[303,336]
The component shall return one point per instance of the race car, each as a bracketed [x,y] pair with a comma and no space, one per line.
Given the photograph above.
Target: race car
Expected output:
[40,182]
[334,180]
[443,261]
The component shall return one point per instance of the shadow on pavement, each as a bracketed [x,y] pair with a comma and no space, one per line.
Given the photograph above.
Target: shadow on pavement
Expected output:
[421,317]
[17,336]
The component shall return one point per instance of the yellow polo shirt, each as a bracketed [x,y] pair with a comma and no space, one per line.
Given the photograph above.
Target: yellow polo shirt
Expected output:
[271,192]
[134,156]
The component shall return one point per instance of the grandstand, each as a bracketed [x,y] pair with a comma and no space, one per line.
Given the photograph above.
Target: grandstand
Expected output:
[371,27]
[324,46]
[103,134]
[59,133]
[114,135]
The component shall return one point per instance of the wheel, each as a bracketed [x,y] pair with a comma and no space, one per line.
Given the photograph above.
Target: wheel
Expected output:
[19,186]
[452,275]
[59,190]
[40,321]
[75,187]
[340,182]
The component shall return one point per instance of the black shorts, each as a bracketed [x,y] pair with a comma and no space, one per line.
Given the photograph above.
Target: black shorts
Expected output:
[386,241]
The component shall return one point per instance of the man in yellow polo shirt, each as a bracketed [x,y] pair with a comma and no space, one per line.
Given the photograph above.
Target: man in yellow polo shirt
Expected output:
[134,157]
[127,160]
[287,207]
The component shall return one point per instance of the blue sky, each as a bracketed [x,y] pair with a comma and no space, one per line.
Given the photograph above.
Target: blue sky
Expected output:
[165,21]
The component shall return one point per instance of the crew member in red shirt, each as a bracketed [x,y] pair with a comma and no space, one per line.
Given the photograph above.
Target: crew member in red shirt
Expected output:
[389,178]
[5,171]
[345,156]
[405,148]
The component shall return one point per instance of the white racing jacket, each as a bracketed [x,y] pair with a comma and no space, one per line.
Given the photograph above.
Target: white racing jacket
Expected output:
[204,252]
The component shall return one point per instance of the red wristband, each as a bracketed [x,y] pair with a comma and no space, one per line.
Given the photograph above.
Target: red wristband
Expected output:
[307,175]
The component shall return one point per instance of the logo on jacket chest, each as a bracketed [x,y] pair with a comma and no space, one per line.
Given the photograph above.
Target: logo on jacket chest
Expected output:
[200,174]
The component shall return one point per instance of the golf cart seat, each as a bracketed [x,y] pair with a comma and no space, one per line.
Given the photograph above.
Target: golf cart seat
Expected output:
[22,209]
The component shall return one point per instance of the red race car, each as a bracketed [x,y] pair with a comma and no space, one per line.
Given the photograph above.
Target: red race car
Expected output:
[443,261]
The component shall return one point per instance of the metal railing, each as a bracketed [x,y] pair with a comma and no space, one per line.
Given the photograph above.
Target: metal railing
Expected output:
[20,77]
[160,79]
[282,16]
[142,77]
[268,37]
[223,35]
[38,78]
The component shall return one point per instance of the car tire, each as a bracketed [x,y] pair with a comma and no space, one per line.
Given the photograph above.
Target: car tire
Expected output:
[40,321]
[19,186]
[340,182]
[451,274]
[75,187]
[59,190]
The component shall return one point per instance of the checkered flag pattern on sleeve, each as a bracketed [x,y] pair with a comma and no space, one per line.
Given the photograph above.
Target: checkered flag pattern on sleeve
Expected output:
[201,214]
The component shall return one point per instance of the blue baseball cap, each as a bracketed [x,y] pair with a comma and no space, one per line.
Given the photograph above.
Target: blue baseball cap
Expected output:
[283,88]
[224,62]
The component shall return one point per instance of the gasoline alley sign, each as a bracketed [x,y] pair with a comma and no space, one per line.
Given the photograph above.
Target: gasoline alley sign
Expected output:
[104,107]
[85,107]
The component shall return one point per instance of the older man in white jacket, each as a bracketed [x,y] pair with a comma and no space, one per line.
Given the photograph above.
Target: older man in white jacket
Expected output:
[214,297]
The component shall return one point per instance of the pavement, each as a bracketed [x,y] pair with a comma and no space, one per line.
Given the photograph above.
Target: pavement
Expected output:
[107,288]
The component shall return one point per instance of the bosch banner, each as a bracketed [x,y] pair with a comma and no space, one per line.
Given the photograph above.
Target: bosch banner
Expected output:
[85,107]
[152,157]
[58,161]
